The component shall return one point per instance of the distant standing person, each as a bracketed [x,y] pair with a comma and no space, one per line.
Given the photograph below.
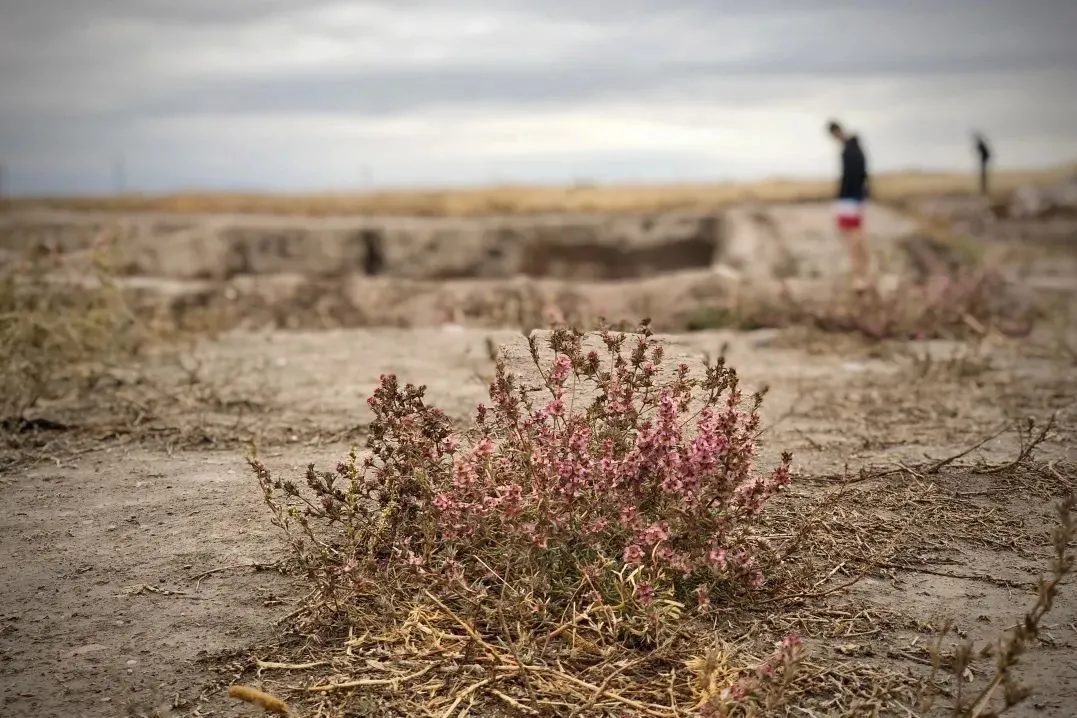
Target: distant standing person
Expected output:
[983,151]
[853,192]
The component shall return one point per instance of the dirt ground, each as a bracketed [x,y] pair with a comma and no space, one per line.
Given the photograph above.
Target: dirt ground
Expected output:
[212,273]
[107,608]
[141,568]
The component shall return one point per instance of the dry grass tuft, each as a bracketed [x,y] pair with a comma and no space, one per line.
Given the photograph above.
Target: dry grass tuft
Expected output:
[951,289]
[969,303]
[59,337]
[78,365]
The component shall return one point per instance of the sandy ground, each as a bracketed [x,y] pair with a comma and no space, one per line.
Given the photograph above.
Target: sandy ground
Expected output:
[228,271]
[750,238]
[220,272]
[104,612]
[107,609]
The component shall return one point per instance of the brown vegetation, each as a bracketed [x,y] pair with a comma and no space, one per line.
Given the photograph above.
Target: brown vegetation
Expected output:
[56,337]
[523,199]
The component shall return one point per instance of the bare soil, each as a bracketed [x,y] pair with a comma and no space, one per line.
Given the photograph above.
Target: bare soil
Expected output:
[221,272]
[141,568]
[104,610]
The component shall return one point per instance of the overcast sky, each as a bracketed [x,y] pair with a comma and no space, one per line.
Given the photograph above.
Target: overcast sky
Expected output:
[313,95]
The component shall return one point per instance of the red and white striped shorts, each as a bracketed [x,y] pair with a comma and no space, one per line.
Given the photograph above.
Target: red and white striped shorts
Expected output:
[849,214]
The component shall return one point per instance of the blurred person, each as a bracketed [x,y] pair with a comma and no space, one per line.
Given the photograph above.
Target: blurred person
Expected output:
[983,151]
[853,193]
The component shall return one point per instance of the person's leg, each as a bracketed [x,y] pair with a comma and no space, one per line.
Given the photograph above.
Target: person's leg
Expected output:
[861,260]
[983,178]
[850,225]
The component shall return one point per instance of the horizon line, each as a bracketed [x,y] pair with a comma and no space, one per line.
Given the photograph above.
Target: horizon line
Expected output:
[509,186]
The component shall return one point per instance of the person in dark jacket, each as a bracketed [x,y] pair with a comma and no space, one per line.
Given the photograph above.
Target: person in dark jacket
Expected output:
[853,193]
[983,151]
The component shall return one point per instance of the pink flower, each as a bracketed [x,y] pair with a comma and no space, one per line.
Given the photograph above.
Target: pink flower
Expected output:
[716,558]
[703,597]
[790,642]
[628,465]
[555,408]
[654,534]
[644,594]
[561,368]
[596,526]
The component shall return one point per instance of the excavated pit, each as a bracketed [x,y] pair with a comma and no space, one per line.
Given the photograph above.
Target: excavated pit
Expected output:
[582,247]
[220,271]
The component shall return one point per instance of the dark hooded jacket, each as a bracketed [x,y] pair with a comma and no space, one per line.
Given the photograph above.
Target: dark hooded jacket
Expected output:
[854,171]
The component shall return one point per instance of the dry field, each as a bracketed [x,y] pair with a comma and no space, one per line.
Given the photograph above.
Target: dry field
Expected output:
[932,428]
[541,199]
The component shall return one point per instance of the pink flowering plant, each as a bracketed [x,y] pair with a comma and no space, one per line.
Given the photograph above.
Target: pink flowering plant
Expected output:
[616,470]
[761,690]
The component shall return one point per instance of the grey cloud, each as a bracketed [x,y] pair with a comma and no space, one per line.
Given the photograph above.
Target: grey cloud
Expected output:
[387,91]
[51,17]
[645,50]
[833,39]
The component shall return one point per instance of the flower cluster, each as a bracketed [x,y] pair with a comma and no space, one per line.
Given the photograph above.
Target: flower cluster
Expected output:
[653,474]
[615,465]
